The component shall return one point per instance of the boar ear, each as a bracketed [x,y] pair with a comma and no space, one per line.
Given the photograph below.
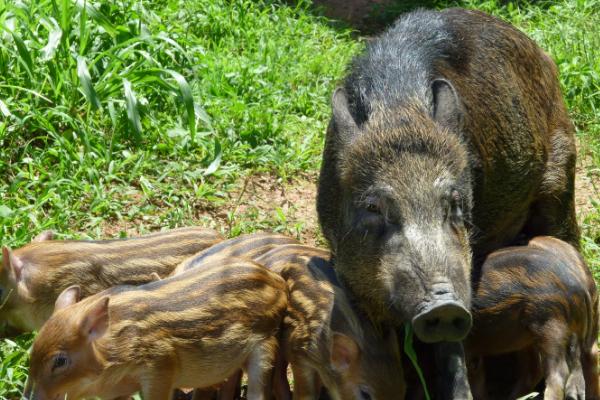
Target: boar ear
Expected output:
[45,235]
[10,262]
[69,296]
[446,105]
[344,352]
[344,124]
[95,322]
[5,258]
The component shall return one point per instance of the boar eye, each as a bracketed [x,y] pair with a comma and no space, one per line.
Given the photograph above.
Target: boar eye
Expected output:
[60,361]
[373,208]
[454,206]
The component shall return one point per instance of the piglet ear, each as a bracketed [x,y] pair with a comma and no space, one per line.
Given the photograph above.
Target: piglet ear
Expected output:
[69,296]
[42,237]
[95,320]
[344,352]
[11,262]
[155,277]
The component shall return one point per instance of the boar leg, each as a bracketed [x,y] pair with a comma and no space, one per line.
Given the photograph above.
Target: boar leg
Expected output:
[452,383]
[476,373]
[575,388]
[158,386]
[259,368]
[553,213]
[589,363]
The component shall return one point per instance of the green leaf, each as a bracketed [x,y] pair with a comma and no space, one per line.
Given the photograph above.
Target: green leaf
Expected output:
[49,50]
[5,211]
[188,100]
[532,395]
[214,165]
[133,112]
[412,356]
[4,109]
[25,58]
[86,82]
[97,16]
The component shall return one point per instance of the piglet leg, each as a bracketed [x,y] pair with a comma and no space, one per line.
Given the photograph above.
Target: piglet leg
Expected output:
[259,367]
[158,385]
[231,388]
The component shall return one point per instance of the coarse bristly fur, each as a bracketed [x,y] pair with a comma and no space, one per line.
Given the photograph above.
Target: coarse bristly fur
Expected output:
[191,330]
[249,246]
[449,139]
[540,301]
[446,111]
[32,277]
[325,339]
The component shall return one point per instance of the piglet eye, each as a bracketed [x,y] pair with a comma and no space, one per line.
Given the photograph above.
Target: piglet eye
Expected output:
[60,361]
[364,393]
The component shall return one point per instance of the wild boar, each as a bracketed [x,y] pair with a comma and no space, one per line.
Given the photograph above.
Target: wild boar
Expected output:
[449,139]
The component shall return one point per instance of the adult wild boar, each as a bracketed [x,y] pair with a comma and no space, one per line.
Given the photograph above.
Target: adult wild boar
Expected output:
[449,139]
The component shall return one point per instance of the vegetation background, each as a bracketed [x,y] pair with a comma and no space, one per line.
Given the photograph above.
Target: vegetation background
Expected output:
[129,116]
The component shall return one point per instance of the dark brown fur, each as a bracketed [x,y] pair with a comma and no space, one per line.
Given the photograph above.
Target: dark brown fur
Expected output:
[449,139]
[541,301]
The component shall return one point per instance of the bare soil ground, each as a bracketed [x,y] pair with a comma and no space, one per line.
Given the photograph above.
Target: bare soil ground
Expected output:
[268,203]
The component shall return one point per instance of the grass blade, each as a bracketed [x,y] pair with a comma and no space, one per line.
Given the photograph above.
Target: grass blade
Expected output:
[4,109]
[55,34]
[188,100]
[133,112]
[412,356]
[25,55]
[97,16]
[214,165]
[86,83]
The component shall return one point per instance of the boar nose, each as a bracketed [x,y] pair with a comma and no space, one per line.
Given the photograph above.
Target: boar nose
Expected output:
[442,321]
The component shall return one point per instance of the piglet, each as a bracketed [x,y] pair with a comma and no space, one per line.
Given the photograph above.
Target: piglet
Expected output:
[32,277]
[192,330]
[540,303]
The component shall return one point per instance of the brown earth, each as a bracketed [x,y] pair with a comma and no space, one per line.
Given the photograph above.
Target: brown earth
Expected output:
[268,203]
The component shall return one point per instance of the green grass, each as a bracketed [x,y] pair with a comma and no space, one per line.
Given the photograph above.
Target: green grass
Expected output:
[152,112]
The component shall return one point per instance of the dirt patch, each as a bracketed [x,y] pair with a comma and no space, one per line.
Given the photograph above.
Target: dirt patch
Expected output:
[268,203]
[265,202]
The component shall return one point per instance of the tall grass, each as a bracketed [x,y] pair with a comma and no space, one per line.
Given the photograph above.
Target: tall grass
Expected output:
[139,107]
[148,111]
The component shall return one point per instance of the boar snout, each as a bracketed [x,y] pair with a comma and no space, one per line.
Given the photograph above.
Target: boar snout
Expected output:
[442,320]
